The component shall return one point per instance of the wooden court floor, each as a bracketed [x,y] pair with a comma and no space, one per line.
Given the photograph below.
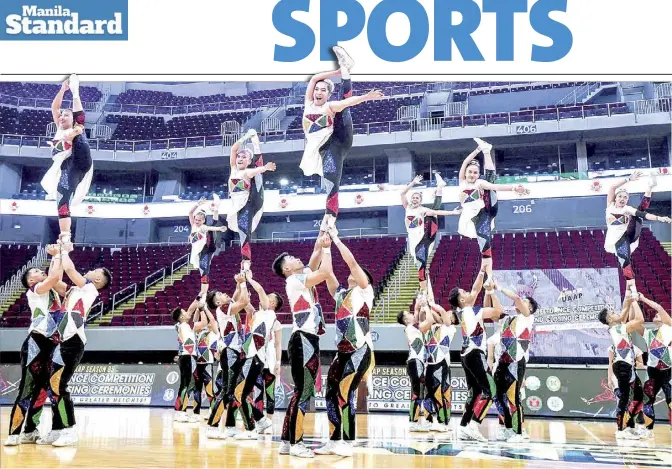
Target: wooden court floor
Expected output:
[116,437]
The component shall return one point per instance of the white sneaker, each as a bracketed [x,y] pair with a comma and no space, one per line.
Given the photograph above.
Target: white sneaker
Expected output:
[49,438]
[326,449]
[181,417]
[439,180]
[504,434]
[343,448]
[464,433]
[476,432]
[302,451]
[644,432]
[417,427]
[526,436]
[13,440]
[438,427]
[247,435]
[516,439]
[626,435]
[73,84]
[483,145]
[344,59]
[195,418]
[264,424]
[231,432]
[213,433]
[284,447]
[205,415]
[30,438]
[68,438]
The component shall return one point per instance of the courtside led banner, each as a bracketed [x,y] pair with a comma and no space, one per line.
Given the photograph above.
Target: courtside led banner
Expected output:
[294,37]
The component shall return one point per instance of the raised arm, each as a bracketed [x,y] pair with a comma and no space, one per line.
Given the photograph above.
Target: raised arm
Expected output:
[338,106]
[315,80]
[316,256]
[496,310]
[252,172]
[243,300]
[611,195]
[517,301]
[261,293]
[664,315]
[638,321]
[212,322]
[416,180]
[625,312]
[194,209]
[518,188]
[465,163]
[55,271]
[443,213]
[56,103]
[200,320]
[478,284]
[69,268]
[355,269]
[427,323]
[326,269]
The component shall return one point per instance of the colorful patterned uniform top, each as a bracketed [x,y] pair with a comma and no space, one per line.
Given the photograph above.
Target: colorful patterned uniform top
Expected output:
[186,339]
[198,238]
[515,338]
[303,301]
[231,330]
[471,200]
[437,342]
[318,126]
[76,306]
[353,308]
[206,347]
[258,338]
[473,330]
[622,342]
[617,224]
[416,344]
[659,342]
[42,309]
[239,188]
[415,225]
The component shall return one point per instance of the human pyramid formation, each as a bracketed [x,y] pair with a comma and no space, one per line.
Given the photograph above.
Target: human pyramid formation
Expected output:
[248,355]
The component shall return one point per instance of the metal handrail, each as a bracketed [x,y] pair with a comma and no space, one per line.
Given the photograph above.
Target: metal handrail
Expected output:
[302,235]
[641,107]
[14,285]
[133,291]
[43,103]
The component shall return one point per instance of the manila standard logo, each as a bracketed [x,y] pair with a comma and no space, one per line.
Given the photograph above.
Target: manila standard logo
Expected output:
[72,19]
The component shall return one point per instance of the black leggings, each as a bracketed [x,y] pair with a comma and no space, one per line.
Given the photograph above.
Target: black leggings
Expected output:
[304,359]
[425,244]
[208,251]
[657,380]
[345,374]
[186,383]
[630,395]
[35,370]
[480,385]
[335,150]
[631,235]
[65,359]
[73,170]
[437,382]
[231,364]
[483,220]
[203,379]
[246,215]
[416,373]
[509,377]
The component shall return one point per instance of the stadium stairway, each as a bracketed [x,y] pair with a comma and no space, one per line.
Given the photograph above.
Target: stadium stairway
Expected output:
[401,289]
[161,285]
[668,247]
[15,293]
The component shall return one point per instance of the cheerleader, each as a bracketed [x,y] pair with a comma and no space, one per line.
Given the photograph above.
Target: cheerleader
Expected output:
[624,225]
[246,190]
[479,201]
[328,129]
[203,243]
[207,335]
[422,225]
[69,178]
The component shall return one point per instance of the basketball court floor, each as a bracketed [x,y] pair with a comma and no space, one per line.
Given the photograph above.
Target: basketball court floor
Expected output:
[122,437]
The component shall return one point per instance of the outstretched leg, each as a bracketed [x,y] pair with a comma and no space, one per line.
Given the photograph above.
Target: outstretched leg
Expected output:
[341,142]
[484,223]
